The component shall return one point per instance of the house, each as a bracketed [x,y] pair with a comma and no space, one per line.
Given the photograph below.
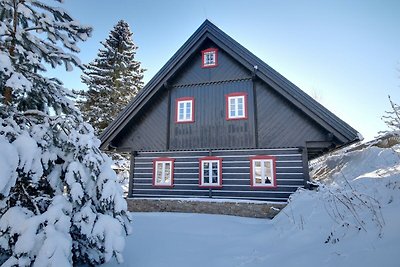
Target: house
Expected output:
[217,122]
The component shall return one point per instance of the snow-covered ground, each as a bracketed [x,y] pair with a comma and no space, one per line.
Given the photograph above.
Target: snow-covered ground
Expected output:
[352,220]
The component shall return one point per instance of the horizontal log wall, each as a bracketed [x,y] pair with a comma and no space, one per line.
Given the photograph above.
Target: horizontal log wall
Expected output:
[235,175]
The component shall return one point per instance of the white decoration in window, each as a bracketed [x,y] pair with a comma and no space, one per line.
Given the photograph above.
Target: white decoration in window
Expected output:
[263,174]
[163,173]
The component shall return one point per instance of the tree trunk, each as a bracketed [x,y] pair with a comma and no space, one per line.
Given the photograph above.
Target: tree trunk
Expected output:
[8,90]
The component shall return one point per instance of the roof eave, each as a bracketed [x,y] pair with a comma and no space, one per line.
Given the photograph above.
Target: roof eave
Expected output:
[341,130]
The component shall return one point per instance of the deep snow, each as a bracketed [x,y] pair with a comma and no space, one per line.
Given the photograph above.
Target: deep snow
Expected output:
[353,219]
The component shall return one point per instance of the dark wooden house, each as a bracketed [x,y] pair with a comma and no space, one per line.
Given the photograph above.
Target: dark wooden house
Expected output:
[218,122]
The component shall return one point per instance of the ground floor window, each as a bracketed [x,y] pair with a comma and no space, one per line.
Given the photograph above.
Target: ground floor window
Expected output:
[263,171]
[163,172]
[210,172]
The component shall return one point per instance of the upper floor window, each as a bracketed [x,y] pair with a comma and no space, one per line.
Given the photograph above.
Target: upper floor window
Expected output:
[210,172]
[209,58]
[184,110]
[236,106]
[263,171]
[163,172]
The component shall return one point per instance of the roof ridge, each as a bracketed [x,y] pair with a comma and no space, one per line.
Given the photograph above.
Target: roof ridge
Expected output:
[280,84]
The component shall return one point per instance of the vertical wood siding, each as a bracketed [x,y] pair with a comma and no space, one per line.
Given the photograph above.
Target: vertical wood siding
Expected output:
[279,123]
[210,127]
[235,175]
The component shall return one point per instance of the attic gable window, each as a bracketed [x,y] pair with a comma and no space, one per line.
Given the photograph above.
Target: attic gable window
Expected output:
[209,58]
[163,172]
[263,172]
[236,106]
[210,172]
[184,110]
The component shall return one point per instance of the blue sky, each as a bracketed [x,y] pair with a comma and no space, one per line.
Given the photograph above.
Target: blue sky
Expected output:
[346,54]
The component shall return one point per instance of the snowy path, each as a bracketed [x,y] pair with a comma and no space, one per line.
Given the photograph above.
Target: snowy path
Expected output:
[199,240]
[177,239]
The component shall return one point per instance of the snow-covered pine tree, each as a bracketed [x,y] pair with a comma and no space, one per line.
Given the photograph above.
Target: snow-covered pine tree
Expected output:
[60,202]
[113,78]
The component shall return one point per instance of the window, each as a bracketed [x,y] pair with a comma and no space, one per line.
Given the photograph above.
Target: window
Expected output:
[236,106]
[209,58]
[210,172]
[263,171]
[184,110]
[163,172]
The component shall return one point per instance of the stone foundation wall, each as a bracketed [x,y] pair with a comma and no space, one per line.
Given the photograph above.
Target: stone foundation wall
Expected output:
[244,209]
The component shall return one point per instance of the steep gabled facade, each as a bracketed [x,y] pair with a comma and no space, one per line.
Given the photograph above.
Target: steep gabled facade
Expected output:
[218,122]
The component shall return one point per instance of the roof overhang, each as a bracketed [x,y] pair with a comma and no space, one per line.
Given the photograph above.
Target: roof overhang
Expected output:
[208,31]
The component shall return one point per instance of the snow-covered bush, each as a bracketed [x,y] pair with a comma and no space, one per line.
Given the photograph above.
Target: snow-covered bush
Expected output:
[121,165]
[353,187]
[60,201]
[392,119]
[390,137]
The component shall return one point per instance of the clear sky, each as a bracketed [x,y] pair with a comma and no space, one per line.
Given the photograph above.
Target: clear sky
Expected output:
[346,54]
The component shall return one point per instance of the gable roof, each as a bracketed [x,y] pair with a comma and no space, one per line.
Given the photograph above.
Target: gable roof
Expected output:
[341,130]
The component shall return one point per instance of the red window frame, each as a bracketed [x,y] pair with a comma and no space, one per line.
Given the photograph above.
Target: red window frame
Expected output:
[215,50]
[273,184]
[245,104]
[181,99]
[155,161]
[219,185]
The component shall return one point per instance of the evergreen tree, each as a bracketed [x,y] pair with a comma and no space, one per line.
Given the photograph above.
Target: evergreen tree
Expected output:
[113,78]
[60,202]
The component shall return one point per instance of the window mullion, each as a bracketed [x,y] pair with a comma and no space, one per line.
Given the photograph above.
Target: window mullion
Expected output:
[210,172]
[163,173]
[236,106]
[189,105]
[218,174]
[263,178]
[190,109]
[186,108]
[202,172]
[184,111]
[254,172]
